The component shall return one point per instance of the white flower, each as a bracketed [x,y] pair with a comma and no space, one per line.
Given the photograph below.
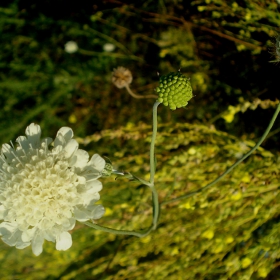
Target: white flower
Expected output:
[108,47]
[71,47]
[43,192]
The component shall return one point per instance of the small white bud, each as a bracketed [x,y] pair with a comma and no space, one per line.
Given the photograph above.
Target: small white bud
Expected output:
[71,47]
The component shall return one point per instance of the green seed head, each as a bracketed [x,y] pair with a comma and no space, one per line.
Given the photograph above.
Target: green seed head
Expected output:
[174,90]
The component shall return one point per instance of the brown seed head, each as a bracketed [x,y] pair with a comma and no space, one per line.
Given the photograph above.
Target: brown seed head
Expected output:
[121,77]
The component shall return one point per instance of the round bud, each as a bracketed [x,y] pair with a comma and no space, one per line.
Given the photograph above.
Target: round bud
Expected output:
[121,77]
[108,169]
[174,90]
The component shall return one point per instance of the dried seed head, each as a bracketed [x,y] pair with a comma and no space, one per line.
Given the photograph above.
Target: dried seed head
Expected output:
[174,90]
[121,77]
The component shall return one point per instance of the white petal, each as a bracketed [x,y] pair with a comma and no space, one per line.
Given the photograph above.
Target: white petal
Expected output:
[89,197]
[89,192]
[91,174]
[79,159]
[23,142]
[82,180]
[94,186]
[33,133]
[8,151]
[72,222]
[13,239]
[97,162]
[22,245]
[59,141]
[10,234]
[80,215]
[37,244]
[66,132]
[63,241]
[7,229]
[48,235]
[70,148]
[28,234]
[57,149]
[63,136]
[3,212]
[97,212]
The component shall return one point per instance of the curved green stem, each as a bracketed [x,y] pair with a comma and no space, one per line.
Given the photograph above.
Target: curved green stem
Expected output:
[149,184]
[234,165]
[118,231]
[137,95]
[152,149]
[153,167]
[155,208]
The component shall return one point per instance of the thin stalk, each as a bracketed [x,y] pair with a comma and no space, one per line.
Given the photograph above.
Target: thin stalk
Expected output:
[153,140]
[153,167]
[137,95]
[155,208]
[234,165]
[118,231]
[149,184]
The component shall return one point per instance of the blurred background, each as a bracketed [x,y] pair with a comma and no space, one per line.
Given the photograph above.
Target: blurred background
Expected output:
[226,48]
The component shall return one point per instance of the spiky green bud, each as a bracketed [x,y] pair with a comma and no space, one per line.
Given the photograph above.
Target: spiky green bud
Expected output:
[108,169]
[174,90]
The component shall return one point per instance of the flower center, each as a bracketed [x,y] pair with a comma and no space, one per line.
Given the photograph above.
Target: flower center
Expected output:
[38,189]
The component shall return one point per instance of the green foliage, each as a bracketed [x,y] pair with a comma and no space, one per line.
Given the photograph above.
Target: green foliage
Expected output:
[230,231]
[227,232]
[221,45]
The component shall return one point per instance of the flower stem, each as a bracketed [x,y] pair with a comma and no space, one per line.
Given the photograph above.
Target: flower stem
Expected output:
[152,149]
[234,165]
[153,168]
[137,95]
[155,207]
[150,184]
[118,231]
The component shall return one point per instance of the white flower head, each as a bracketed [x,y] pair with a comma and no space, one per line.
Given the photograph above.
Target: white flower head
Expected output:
[71,47]
[108,47]
[44,191]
